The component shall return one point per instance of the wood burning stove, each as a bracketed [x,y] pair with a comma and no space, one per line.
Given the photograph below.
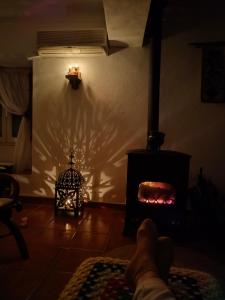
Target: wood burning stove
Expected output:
[157,180]
[157,183]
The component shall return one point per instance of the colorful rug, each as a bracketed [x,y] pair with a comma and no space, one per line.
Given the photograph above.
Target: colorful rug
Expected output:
[102,278]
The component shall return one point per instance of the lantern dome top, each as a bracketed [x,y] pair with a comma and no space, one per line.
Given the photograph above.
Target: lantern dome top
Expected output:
[70,179]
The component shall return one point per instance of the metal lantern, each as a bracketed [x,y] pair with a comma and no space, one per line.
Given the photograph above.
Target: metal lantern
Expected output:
[68,195]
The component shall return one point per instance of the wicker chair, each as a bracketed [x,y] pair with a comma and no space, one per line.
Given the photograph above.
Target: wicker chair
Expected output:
[9,193]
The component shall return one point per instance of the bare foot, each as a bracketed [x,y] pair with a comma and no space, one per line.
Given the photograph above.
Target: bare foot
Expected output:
[144,259]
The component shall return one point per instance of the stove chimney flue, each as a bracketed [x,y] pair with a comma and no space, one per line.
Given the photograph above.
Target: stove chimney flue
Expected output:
[155,138]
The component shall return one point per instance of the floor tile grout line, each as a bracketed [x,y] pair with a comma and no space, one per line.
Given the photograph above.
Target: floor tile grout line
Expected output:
[45,275]
[93,215]
[109,236]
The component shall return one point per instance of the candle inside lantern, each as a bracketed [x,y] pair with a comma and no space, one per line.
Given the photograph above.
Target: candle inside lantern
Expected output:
[68,203]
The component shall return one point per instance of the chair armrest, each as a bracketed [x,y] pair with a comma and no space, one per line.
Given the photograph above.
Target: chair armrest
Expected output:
[9,188]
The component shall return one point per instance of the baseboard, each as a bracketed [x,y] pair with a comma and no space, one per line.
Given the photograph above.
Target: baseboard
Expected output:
[50,201]
[37,200]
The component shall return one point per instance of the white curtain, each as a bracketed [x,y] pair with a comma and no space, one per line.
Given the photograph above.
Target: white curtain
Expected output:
[14,97]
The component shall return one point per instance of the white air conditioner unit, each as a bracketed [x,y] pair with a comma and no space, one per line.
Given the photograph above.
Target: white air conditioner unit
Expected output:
[72,43]
[68,51]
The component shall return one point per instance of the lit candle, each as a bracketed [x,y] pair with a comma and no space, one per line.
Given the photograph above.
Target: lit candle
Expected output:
[76,70]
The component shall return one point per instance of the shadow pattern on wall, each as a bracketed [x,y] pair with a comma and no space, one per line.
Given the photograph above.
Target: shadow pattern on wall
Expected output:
[92,128]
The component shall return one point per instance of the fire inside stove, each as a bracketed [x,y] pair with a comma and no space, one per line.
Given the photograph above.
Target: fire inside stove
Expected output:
[156,193]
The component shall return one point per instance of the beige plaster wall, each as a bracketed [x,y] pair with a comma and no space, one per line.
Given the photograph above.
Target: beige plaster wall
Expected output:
[192,126]
[108,115]
[101,120]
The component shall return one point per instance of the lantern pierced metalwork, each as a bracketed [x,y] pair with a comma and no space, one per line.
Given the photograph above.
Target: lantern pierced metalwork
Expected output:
[68,190]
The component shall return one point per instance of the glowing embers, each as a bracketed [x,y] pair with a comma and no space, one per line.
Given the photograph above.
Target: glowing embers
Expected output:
[156,193]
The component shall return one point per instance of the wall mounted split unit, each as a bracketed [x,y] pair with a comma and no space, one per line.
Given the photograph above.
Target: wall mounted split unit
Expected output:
[72,43]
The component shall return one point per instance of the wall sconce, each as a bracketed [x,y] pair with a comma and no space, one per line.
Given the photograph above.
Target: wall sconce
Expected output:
[74,77]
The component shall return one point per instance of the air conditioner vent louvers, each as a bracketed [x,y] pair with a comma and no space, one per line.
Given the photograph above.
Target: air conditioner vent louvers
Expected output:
[89,42]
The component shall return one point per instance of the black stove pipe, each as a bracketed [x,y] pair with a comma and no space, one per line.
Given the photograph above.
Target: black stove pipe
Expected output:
[155,137]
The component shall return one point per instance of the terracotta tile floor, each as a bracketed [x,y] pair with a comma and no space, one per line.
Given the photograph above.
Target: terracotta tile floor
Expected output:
[57,245]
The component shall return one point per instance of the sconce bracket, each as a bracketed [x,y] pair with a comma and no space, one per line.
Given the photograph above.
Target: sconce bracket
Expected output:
[74,81]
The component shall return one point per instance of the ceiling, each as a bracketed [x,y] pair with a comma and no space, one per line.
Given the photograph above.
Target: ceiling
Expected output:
[183,15]
[124,20]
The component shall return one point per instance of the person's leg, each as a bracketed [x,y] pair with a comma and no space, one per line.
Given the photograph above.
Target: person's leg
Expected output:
[148,264]
[144,259]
